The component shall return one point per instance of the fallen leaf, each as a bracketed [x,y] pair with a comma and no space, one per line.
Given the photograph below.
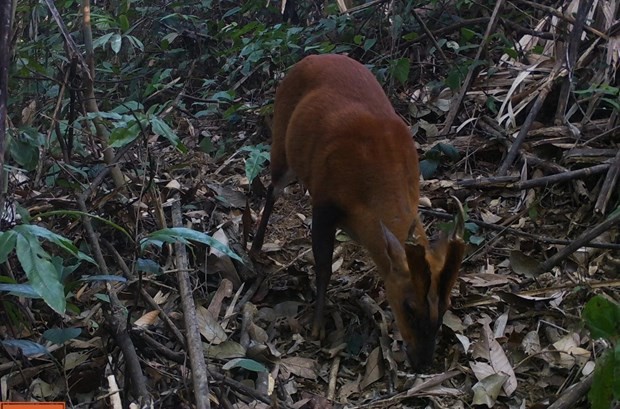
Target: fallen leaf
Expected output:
[374,368]
[304,367]
[487,390]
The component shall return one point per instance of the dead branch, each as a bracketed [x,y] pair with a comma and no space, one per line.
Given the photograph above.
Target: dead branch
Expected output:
[194,344]
[511,182]
[611,179]
[145,295]
[5,56]
[456,103]
[556,72]
[560,177]
[573,395]
[571,59]
[560,15]
[516,232]
[580,241]
[115,319]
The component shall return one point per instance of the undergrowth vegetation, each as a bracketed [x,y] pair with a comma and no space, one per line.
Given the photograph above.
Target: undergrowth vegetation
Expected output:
[120,110]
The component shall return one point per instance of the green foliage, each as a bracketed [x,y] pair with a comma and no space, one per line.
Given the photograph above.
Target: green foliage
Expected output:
[45,273]
[434,156]
[471,229]
[255,163]
[185,236]
[602,317]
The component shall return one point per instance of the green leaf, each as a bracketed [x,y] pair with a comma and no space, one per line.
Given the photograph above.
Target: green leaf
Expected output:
[183,235]
[20,290]
[61,335]
[41,272]
[245,363]
[28,348]
[369,43]
[123,135]
[101,41]
[400,70]
[602,317]
[57,239]
[467,34]
[602,390]
[428,167]
[116,43]
[148,266]
[162,129]
[123,22]
[255,163]
[7,244]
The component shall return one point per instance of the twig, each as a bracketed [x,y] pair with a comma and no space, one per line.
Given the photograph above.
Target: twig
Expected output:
[570,398]
[510,182]
[608,185]
[556,72]
[571,59]
[560,177]
[194,345]
[510,230]
[145,295]
[5,58]
[114,316]
[431,36]
[584,238]
[457,101]
[559,14]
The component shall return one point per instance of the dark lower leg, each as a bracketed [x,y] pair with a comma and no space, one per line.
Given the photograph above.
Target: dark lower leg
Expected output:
[259,237]
[324,220]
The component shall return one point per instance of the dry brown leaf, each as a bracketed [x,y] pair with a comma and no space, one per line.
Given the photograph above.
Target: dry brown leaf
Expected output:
[374,368]
[208,326]
[304,367]
[146,319]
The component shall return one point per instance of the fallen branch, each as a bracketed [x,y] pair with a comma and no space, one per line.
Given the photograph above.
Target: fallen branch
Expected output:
[194,344]
[510,230]
[580,241]
[115,319]
[457,102]
[573,395]
[510,182]
[608,185]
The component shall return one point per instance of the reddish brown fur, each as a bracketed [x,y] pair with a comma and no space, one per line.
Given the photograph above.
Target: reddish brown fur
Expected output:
[335,129]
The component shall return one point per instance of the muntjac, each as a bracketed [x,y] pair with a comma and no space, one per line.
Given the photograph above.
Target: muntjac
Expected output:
[335,130]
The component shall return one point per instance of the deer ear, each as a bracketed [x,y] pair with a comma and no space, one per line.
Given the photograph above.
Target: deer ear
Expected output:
[419,269]
[454,250]
[394,249]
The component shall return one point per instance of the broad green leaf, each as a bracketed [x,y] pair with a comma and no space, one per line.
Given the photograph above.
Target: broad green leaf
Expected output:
[148,266]
[602,317]
[7,244]
[28,348]
[182,235]
[116,43]
[124,135]
[400,70]
[60,335]
[255,163]
[123,22]
[57,239]
[41,272]
[20,290]
[101,41]
[245,363]
[162,129]
[602,390]
[428,167]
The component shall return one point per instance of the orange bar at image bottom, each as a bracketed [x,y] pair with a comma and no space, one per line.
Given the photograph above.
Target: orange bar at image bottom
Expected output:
[32,405]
